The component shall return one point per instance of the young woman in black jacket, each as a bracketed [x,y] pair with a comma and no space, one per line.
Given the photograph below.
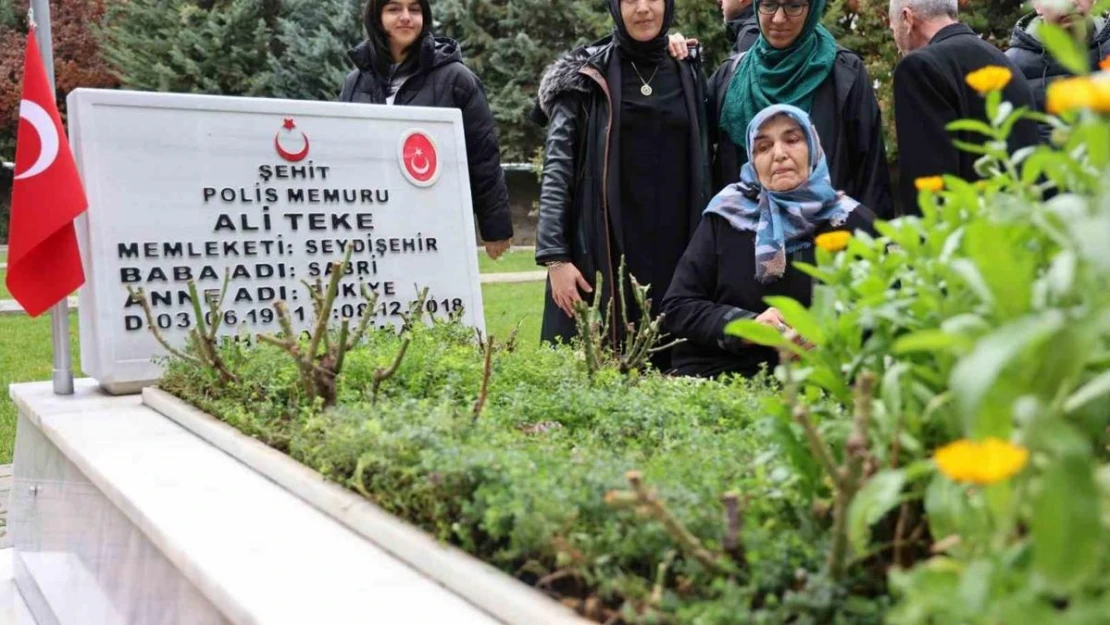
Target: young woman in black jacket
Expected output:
[626,165]
[745,248]
[401,63]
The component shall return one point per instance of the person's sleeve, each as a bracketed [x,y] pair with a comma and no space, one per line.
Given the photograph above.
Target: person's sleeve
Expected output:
[689,306]
[871,178]
[923,109]
[557,182]
[487,179]
[346,92]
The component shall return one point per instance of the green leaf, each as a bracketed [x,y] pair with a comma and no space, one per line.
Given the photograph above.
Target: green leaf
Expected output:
[1066,526]
[970,147]
[878,497]
[799,318]
[976,374]
[928,341]
[815,272]
[1096,388]
[1065,48]
[755,332]
[969,273]
[971,125]
[1008,270]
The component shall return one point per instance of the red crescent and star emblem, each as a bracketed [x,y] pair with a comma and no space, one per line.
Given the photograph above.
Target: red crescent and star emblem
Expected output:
[419,158]
[287,129]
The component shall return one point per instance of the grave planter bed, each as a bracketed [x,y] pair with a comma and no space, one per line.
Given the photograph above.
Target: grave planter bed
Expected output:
[614,495]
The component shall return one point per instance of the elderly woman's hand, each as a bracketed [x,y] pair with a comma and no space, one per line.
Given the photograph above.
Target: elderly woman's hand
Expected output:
[773,318]
[566,281]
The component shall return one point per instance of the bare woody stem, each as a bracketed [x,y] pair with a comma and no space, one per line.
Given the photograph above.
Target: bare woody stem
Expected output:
[851,473]
[483,394]
[675,529]
[734,524]
[139,295]
[381,375]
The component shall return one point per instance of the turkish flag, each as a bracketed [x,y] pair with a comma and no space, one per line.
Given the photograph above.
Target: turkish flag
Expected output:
[44,262]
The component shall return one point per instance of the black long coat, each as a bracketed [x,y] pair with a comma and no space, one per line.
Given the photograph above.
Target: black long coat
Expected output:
[580,221]
[930,91]
[1041,69]
[441,80]
[848,120]
[715,284]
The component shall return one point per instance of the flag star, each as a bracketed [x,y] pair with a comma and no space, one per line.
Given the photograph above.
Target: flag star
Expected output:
[419,152]
[289,125]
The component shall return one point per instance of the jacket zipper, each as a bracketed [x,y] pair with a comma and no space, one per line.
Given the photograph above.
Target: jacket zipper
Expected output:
[596,76]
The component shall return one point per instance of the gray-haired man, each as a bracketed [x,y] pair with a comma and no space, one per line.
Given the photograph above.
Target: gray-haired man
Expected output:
[930,91]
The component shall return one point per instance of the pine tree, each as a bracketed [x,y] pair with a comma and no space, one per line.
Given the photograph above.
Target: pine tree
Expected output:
[313,37]
[180,46]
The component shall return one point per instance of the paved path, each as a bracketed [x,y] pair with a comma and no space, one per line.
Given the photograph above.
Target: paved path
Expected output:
[12,307]
[5,490]
[514,277]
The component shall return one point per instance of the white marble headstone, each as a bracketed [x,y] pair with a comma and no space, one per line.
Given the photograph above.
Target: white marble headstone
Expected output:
[188,186]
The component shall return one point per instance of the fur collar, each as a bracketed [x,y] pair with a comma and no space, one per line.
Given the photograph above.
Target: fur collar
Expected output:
[565,76]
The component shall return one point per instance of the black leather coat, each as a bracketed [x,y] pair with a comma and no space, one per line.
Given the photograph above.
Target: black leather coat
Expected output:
[577,219]
[441,80]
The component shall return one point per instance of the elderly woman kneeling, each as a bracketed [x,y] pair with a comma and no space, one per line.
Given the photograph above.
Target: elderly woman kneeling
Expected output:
[745,247]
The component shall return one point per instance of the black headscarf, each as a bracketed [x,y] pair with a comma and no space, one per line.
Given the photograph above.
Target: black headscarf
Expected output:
[379,39]
[652,51]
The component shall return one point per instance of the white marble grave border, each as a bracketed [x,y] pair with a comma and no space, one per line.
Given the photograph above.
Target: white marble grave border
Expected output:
[486,587]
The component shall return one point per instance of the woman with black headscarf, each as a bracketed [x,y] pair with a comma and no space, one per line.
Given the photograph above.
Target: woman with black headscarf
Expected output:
[625,172]
[401,63]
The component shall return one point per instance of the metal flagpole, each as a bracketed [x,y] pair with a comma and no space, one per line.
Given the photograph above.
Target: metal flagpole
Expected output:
[39,15]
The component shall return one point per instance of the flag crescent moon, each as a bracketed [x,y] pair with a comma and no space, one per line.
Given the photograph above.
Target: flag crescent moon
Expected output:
[48,137]
[421,171]
[292,157]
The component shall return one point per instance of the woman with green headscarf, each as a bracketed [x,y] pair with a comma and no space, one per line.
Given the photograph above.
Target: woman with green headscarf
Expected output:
[797,62]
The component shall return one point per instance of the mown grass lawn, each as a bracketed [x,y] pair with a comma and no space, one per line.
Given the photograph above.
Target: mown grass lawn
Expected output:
[4,287]
[25,343]
[510,262]
[25,356]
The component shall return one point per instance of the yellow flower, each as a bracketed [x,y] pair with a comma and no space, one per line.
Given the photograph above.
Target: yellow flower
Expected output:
[1080,92]
[989,78]
[833,241]
[931,183]
[1104,64]
[985,463]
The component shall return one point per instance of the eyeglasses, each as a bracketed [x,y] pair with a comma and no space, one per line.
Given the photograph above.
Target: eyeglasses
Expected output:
[792,9]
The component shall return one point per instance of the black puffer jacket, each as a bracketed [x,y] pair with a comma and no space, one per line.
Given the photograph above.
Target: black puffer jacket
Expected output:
[1040,68]
[577,221]
[441,80]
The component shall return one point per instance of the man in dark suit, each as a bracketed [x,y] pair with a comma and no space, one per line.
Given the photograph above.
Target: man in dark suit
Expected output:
[930,91]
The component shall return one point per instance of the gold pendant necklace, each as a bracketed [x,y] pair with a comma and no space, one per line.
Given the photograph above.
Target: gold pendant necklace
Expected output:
[646,89]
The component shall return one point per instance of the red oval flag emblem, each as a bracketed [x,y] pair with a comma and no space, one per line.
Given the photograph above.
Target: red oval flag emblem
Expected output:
[419,159]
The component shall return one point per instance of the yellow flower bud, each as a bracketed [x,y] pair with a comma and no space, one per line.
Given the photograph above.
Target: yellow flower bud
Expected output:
[833,241]
[989,78]
[989,462]
[930,183]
